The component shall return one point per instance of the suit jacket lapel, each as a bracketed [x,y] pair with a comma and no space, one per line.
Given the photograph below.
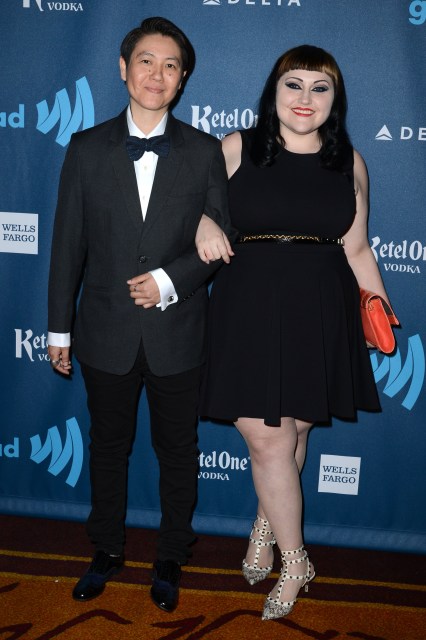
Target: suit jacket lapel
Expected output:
[124,170]
[165,174]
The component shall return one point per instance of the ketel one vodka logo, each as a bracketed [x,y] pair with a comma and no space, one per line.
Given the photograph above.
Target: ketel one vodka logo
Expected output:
[35,347]
[53,6]
[27,4]
[216,466]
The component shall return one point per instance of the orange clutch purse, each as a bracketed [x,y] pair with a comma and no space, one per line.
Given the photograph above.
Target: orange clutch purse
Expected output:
[377,319]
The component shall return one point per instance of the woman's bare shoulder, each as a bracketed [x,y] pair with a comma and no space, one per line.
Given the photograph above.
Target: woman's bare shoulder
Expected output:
[231,147]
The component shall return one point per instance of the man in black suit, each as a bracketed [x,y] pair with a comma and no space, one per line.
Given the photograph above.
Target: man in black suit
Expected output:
[128,210]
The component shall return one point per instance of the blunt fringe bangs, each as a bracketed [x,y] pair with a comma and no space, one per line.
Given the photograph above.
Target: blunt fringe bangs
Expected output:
[310,58]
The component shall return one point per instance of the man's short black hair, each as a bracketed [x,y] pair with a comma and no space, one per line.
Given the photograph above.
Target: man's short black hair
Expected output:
[162,26]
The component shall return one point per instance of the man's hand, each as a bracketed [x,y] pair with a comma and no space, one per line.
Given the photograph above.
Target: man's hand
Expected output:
[60,359]
[211,242]
[144,290]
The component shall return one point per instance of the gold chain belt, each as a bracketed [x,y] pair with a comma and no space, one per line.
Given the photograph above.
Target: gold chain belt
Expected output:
[271,237]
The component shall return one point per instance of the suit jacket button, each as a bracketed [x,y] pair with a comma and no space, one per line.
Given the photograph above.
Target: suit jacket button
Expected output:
[142,258]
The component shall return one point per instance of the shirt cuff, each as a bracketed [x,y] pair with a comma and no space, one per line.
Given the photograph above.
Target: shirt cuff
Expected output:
[168,293]
[58,339]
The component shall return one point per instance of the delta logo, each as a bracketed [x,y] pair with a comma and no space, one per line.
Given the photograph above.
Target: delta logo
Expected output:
[403,133]
[262,3]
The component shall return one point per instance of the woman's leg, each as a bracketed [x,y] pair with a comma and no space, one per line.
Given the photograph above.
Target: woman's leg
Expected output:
[303,429]
[277,482]
[266,553]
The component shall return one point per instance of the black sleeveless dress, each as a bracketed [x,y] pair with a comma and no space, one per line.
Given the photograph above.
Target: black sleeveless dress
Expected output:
[285,335]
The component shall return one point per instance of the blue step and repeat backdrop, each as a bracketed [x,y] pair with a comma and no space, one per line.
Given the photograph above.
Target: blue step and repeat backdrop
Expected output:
[364,482]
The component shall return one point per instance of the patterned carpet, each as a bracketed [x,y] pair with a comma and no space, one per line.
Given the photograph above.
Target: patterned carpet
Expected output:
[357,594]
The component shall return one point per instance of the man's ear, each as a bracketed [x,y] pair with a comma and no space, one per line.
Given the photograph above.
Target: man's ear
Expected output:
[123,69]
[183,76]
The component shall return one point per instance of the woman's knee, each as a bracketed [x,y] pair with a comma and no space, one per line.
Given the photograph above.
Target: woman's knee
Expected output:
[267,444]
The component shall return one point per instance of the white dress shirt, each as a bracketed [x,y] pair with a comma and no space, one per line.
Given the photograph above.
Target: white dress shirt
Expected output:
[145,172]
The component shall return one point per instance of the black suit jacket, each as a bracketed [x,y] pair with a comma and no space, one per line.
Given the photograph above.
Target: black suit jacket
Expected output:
[100,236]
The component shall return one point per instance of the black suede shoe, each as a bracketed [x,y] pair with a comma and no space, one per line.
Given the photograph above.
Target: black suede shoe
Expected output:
[165,584]
[101,570]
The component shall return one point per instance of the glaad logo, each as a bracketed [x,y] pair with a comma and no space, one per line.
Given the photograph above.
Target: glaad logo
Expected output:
[339,474]
[207,120]
[417,11]
[400,254]
[15,119]
[221,463]
[55,6]
[398,375]
[406,133]
[10,450]
[69,122]
[60,455]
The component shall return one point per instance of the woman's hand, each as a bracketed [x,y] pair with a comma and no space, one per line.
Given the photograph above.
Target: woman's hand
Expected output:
[211,242]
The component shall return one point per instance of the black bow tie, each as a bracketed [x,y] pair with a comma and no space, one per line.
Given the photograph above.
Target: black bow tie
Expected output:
[136,147]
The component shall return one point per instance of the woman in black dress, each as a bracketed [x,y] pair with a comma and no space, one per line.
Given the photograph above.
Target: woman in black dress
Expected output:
[286,347]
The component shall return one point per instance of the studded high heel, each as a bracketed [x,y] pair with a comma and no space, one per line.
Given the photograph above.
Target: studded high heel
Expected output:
[252,572]
[275,607]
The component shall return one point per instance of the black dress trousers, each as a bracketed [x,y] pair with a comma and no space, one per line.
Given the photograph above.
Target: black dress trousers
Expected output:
[173,405]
